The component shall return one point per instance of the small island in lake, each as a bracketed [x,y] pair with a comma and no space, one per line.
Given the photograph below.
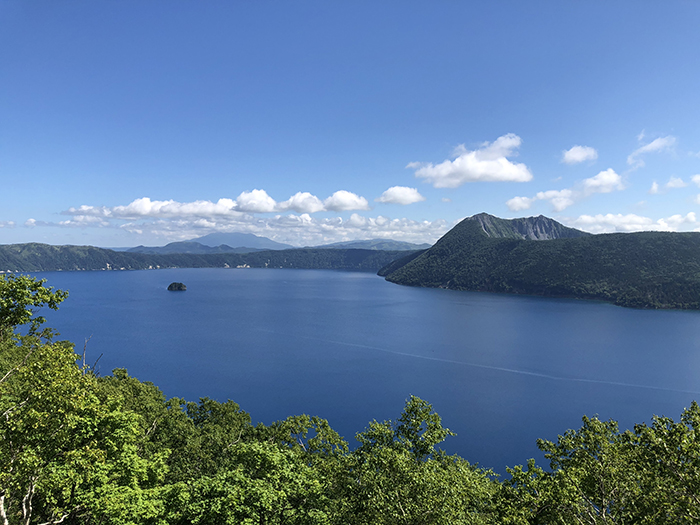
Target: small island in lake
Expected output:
[177,287]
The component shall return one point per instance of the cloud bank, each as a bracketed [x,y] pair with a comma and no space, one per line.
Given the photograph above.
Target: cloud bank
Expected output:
[611,223]
[489,163]
[256,201]
[292,221]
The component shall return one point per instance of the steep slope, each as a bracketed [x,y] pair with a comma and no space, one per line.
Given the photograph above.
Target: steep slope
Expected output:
[646,270]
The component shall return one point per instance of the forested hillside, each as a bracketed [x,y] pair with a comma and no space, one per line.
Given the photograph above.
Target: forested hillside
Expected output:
[643,270]
[79,448]
[34,257]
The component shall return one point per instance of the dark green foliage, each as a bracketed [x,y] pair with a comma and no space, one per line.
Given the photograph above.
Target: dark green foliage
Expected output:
[177,287]
[43,257]
[398,263]
[642,270]
[398,475]
[20,296]
[600,475]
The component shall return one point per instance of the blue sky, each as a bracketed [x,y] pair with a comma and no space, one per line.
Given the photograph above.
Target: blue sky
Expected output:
[131,122]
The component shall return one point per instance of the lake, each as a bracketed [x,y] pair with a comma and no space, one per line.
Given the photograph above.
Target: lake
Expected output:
[501,370]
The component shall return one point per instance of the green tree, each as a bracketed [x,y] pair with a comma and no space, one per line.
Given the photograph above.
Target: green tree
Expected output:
[398,475]
[595,478]
[669,454]
[66,456]
[20,296]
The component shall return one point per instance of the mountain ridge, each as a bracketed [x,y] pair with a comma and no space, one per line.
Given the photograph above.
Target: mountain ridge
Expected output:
[539,228]
[34,257]
[190,247]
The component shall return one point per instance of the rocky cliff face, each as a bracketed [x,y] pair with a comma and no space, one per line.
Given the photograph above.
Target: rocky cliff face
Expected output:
[538,228]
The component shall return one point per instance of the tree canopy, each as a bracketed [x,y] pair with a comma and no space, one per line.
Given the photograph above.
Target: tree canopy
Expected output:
[21,296]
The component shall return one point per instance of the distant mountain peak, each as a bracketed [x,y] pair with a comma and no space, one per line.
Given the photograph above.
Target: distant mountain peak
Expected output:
[538,228]
[237,240]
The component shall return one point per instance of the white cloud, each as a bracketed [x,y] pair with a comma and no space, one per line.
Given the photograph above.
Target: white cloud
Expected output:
[400,195]
[302,202]
[30,223]
[605,182]
[345,201]
[559,199]
[610,223]
[579,154]
[696,179]
[659,144]
[675,182]
[84,220]
[446,199]
[489,163]
[7,224]
[256,201]
[145,207]
[520,203]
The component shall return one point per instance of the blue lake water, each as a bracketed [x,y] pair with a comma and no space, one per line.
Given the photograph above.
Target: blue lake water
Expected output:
[501,370]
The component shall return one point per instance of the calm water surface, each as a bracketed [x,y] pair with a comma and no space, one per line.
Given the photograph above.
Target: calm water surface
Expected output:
[501,370]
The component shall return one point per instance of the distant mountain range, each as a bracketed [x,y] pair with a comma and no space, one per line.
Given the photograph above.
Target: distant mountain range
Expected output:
[190,247]
[33,257]
[246,243]
[240,240]
[539,256]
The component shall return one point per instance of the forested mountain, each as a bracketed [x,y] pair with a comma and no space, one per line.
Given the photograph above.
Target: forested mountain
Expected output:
[199,248]
[78,448]
[44,257]
[484,253]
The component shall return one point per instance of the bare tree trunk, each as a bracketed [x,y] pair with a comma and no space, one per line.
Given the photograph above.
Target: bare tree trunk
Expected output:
[27,503]
[3,513]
